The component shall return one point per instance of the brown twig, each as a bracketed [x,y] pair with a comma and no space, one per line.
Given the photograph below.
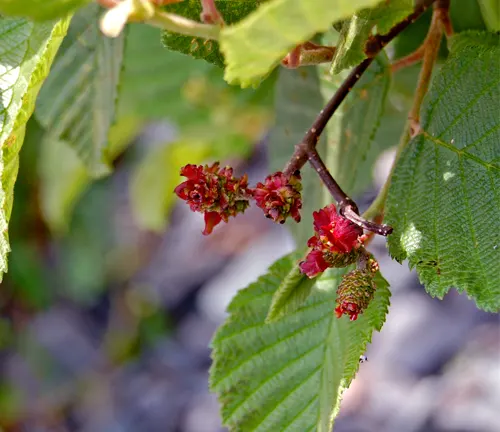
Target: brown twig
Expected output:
[306,149]
[430,54]
[308,54]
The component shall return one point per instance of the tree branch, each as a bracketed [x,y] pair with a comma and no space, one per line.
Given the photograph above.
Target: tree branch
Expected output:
[306,149]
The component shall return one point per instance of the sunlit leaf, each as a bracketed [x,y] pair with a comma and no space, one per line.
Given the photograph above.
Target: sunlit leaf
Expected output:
[26,53]
[443,201]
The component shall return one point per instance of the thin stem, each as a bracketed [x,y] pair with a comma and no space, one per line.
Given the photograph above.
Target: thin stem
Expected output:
[308,54]
[210,14]
[408,60]
[431,43]
[306,149]
[333,187]
[431,50]
[311,138]
[171,22]
[179,24]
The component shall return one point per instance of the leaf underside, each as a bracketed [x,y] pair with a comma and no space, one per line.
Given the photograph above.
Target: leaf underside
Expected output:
[444,200]
[77,101]
[351,151]
[26,52]
[256,44]
[289,374]
[355,31]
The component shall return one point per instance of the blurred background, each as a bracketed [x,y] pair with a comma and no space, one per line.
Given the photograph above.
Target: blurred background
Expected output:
[113,295]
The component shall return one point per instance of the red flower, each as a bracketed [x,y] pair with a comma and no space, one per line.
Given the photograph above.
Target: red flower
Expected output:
[334,244]
[214,192]
[334,231]
[313,264]
[279,196]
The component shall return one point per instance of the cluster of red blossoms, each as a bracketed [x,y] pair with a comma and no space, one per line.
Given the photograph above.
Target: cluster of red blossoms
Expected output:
[215,192]
[335,243]
[279,196]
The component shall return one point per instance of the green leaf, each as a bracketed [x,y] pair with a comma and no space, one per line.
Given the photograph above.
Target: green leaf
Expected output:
[355,32]
[231,11]
[153,78]
[26,53]
[40,9]
[77,101]
[352,150]
[490,10]
[63,178]
[290,295]
[289,374]
[153,182]
[298,102]
[444,202]
[254,46]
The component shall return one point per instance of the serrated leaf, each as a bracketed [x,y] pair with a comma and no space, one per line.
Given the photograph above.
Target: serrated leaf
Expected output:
[26,53]
[232,12]
[443,201]
[40,9]
[77,101]
[254,46]
[355,32]
[289,374]
[352,150]
[298,102]
[290,295]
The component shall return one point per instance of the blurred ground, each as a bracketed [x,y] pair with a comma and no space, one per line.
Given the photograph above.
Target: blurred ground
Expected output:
[132,355]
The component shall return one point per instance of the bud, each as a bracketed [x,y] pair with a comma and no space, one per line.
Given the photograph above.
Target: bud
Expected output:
[279,196]
[335,243]
[354,294]
[214,192]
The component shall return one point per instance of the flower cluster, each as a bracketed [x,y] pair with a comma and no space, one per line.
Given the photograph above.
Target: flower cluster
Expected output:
[279,196]
[354,293]
[335,242]
[213,191]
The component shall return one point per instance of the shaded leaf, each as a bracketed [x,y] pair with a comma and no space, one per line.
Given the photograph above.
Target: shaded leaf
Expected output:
[298,102]
[26,53]
[232,12]
[255,45]
[77,101]
[64,178]
[289,374]
[352,150]
[153,79]
[443,200]
[40,9]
